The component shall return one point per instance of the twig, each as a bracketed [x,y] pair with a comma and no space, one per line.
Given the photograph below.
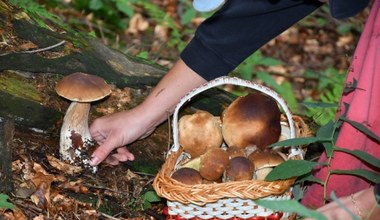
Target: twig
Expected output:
[44,49]
[37,50]
[108,216]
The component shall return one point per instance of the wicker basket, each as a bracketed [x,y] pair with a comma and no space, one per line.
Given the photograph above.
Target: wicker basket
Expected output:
[229,199]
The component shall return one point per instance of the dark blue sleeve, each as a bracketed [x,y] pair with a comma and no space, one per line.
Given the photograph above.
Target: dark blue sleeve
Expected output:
[237,30]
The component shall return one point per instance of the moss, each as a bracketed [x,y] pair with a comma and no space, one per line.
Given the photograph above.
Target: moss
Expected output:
[19,86]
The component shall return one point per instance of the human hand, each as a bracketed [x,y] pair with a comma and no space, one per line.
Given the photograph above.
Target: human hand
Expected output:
[361,204]
[113,132]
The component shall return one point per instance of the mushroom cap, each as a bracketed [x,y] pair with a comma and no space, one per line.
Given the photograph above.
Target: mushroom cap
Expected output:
[213,163]
[82,87]
[253,119]
[235,152]
[199,132]
[265,158]
[187,176]
[264,161]
[239,169]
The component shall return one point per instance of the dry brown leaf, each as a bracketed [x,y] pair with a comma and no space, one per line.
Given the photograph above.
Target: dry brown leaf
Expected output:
[161,33]
[27,46]
[137,24]
[15,214]
[62,166]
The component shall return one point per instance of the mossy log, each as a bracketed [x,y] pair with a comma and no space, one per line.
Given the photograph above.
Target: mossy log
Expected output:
[33,58]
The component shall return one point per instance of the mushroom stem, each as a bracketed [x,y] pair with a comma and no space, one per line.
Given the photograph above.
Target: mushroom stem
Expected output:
[75,135]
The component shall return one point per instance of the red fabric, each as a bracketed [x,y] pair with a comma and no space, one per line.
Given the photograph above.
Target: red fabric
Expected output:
[364,107]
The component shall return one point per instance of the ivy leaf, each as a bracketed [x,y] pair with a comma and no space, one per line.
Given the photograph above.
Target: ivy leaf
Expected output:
[368,158]
[290,206]
[369,175]
[4,202]
[291,168]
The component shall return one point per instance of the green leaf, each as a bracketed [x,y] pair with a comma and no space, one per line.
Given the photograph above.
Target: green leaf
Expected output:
[320,105]
[369,175]
[326,131]
[269,61]
[125,7]
[329,148]
[4,202]
[96,4]
[309,177]
[368,158]
[361,128]
[188,16]
[290,206]
[298,141]
[291,168]
[151,196]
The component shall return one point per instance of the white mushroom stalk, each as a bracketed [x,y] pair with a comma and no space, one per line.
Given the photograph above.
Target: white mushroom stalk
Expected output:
[75,137]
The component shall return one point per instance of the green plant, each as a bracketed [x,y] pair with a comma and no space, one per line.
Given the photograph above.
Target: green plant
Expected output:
[330,88]
[144,201]
[38,12]
[148,198]
[327,136]
[4,202]
[247,69]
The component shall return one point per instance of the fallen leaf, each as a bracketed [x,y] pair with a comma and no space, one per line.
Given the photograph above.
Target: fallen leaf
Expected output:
[62,166]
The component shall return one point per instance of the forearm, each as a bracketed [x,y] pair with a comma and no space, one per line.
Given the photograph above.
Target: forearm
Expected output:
[174,85]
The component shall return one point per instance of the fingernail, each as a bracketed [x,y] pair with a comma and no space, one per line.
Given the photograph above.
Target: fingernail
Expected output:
[94,161]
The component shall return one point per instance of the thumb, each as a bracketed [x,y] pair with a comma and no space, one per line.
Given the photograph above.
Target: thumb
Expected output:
[102,152]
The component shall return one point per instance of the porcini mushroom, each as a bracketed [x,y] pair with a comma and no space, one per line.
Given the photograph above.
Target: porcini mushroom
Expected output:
[81,89]
[264,161]
[199,132]
[187,176]
[239,169]
[213,163]
[250,120]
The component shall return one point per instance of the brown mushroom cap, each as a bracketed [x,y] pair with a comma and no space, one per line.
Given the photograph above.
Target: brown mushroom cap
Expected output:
[187,176]
[82,87]
[251,120]
[264,161]
[199,132]
[238,169]
[213,163]
[235,152]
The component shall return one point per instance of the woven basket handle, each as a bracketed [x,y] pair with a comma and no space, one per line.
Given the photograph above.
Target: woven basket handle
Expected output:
[239,82]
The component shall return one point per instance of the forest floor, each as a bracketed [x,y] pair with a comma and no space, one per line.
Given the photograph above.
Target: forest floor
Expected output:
[45,188]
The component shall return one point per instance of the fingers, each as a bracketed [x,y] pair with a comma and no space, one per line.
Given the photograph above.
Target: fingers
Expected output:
[103,151]
[122,154]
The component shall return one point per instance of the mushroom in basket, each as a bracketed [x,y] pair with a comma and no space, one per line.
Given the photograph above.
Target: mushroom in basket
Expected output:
[199,132]
[264,161]
[187,176]
[239,169]
[211,165]
[81,89]
[251,120]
